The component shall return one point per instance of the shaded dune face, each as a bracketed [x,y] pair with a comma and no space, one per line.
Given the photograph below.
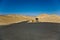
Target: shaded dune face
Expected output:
[30,31]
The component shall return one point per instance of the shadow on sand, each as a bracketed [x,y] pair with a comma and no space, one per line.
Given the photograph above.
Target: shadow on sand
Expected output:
[30,31]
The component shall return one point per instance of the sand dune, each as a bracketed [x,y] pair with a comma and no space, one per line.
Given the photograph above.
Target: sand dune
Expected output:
[13,18]
[49,18]
[8,19]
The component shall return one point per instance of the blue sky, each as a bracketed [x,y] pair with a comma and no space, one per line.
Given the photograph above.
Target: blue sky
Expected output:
[29,7]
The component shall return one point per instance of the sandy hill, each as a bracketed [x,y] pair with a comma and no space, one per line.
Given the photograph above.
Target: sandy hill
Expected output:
[13,18]
[8,19]
[49,18]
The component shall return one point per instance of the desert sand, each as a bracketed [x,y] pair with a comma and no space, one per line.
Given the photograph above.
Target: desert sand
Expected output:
[15,18]
[9,19]
[49,18]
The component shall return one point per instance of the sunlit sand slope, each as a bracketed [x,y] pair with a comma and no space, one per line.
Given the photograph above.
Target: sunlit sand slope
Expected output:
[9,19]
[49,18]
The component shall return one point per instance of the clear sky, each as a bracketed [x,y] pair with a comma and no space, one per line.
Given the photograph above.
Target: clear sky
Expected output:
[29,7]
